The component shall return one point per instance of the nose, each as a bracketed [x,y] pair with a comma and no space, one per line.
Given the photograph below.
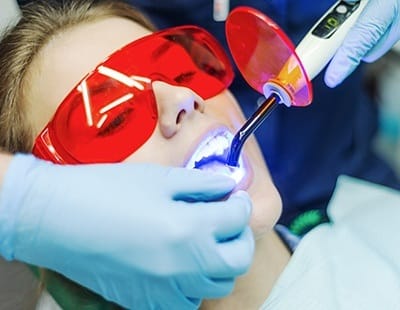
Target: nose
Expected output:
[175,104]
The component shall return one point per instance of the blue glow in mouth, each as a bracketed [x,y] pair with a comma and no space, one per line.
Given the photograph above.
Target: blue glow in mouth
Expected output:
[211,155]
[212,159]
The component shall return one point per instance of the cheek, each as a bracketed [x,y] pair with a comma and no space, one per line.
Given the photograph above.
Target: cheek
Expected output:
[157,150]
[267,207]
[224,108]
[267,204]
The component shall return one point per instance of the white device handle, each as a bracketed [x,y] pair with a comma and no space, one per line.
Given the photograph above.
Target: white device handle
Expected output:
[321,42]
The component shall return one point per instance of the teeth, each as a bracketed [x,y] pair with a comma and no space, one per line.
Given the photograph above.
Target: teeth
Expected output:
[215,146]
[211,155]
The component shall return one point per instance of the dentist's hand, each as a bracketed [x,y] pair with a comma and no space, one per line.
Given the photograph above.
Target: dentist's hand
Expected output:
[373,34]
[142,236]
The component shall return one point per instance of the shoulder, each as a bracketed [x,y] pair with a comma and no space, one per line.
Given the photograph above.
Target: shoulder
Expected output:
[353,261]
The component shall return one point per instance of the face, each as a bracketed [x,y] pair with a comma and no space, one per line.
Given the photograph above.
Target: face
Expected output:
[186,122]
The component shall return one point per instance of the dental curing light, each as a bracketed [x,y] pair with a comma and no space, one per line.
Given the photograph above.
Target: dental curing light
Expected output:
[271,65]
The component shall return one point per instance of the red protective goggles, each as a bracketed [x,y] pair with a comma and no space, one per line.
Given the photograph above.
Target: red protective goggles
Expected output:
[112,112]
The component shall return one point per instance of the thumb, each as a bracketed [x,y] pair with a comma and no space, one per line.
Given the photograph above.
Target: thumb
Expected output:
[370,27]
[197,185]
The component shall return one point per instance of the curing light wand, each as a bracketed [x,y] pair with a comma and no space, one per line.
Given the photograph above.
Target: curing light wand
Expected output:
[249,127]
[274,67]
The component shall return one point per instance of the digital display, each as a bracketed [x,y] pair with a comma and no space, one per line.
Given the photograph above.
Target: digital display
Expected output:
[334,19]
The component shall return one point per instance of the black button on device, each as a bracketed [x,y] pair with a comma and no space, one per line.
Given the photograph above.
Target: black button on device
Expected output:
[334,19]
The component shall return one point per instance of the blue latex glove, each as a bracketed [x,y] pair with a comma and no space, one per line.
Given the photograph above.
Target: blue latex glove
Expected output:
[374,33]
[125,230]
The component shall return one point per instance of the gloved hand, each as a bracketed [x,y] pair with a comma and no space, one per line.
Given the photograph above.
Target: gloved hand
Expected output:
[373,34]
[140,235]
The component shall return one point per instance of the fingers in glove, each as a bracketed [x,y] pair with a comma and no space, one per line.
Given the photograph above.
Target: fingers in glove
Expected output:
[370,27]
[197,185]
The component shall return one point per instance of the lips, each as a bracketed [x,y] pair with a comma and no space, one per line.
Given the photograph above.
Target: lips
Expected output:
[211,154]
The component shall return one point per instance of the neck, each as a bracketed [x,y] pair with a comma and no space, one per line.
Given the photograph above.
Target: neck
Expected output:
[251,290]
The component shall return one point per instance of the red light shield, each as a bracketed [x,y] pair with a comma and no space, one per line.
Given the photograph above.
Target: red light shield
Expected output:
[263,52]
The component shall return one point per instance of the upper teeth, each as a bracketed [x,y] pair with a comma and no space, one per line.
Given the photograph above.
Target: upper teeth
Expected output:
[211,155]
[216,146]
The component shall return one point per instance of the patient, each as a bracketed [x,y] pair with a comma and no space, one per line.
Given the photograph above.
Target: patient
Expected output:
[52,49]
[163,100]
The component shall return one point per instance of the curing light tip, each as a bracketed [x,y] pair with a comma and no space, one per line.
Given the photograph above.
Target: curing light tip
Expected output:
[249,127]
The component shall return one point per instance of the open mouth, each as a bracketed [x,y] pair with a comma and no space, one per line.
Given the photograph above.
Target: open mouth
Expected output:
[212,153]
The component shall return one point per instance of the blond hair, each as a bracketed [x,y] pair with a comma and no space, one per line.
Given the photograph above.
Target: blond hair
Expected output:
[41,21]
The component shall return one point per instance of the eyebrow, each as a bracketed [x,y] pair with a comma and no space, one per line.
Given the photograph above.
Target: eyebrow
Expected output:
[162,49]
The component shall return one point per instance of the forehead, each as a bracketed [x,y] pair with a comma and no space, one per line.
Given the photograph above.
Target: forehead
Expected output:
[65,59]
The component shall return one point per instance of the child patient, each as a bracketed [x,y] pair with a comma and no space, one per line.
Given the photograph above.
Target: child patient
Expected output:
[88,82]
[181,114]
